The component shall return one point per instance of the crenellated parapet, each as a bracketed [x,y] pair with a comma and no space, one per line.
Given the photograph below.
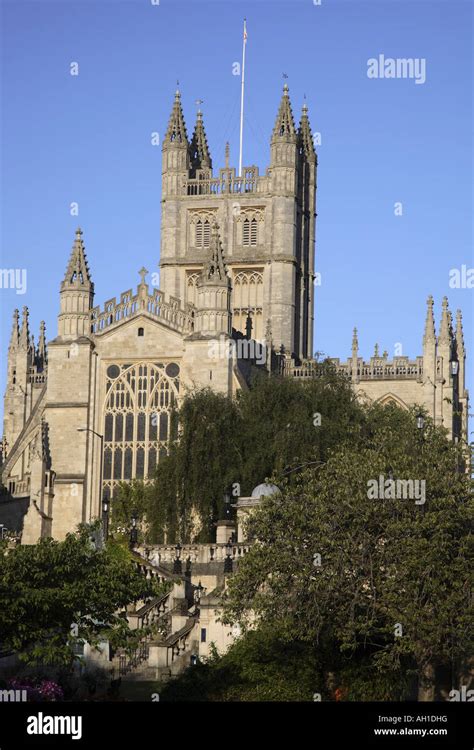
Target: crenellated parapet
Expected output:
[166,309]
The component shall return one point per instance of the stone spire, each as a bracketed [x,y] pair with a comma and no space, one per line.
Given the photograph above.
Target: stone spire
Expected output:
[76,294]
[215,269]
[15,335]
[77,274]
[213,317]
[176,134]
[430,331]
[285,125]
[24,338]
[444,331]
[198,149]
[304,135]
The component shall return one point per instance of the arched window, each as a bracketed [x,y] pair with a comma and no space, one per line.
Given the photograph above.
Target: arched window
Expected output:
[202,237]
[246,232]
[141,331]
[199,234]
[137,419]
[191,287]
[247,299]
[248,227]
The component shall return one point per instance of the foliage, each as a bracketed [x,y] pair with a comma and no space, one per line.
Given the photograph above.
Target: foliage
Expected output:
[330,560]
[131,498]
[258,667]
[264,666]
[203,460]
[48,587]
[233,445]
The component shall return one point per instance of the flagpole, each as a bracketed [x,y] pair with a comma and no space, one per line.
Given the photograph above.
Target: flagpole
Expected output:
[242,98]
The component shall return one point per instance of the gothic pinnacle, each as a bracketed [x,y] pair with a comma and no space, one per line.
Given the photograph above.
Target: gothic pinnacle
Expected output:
[215,269]
[24,339]
[304,134]
[444,331]
[77,272]
[355,342]
[198,148]
[285,124]
[459,333]
[15,335]
[176,134]
[430,331]
[42,343]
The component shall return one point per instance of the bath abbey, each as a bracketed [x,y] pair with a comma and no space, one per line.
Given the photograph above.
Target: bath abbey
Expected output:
[90,406]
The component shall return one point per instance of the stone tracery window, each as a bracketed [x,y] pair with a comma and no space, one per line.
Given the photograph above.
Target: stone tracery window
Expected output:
[247,298]
[137,419]
[192,279]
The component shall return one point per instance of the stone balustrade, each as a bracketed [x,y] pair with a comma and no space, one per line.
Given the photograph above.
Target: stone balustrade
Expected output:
[378,368]
[198,553]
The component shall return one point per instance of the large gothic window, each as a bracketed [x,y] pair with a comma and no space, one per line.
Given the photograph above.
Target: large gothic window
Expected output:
[137,419]
[247,301]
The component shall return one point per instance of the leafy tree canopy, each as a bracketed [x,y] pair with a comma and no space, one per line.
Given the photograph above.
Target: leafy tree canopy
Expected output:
[234,444]
[334,561]
[48,587]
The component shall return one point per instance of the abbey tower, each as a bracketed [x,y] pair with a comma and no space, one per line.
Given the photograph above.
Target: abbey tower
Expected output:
[266,225]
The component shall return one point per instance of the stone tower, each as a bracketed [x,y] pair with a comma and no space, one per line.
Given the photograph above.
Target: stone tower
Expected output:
[25,368]
[70,376]
[266,226]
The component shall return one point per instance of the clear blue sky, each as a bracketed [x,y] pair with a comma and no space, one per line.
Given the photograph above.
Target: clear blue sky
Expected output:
[87,139]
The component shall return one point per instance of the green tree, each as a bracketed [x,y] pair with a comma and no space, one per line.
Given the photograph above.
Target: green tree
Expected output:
[132,498]
[391,575]
[234,444]
[203,461]
[51,586]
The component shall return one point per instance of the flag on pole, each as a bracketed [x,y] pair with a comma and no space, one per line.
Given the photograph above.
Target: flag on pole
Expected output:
[245,30]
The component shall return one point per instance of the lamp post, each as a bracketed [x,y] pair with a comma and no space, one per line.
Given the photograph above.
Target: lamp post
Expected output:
[105,517]
[228,562]
[454,367]
[198,593]
[101,438]
[133,530]
[177,565]
[420,421]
